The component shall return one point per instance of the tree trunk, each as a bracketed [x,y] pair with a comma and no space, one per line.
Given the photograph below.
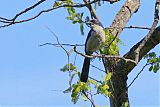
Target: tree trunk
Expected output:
[118,83]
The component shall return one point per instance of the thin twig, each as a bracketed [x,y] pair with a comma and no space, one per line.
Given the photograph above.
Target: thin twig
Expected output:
[57,45]
[130,27]
[112,40]
[98,68]
[95,79]
[67,52]
[137,75]
[91,100]
[74,63]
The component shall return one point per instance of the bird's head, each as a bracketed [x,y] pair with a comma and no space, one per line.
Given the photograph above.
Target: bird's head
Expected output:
[94,22]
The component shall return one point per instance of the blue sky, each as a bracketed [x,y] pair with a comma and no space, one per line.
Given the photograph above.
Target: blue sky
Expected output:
[29,74]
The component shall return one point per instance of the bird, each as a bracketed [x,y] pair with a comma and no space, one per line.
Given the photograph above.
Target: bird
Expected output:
[95,39]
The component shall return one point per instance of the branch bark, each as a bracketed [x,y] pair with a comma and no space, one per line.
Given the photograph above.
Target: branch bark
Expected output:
[122,17]
[92,11]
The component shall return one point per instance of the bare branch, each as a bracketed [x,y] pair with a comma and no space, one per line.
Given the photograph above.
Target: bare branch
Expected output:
[136,27]
[57,40]
[98,68]
[129,27]
[138,75]
[9,22]
[27,9]
[13,20]
[104,56]
[63,44]
[111,1]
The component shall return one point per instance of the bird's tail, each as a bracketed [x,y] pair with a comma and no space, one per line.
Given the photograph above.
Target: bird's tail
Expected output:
[85,70]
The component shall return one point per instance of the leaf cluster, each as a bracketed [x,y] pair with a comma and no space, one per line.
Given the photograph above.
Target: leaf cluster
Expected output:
[75,17]
[111,44]
[154,61]
[104,87]
[79,88]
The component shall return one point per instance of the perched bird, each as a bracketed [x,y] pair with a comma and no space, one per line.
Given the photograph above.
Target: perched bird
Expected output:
[95,39]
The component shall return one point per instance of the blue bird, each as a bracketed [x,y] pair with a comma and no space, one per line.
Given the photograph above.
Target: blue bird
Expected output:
[95,39]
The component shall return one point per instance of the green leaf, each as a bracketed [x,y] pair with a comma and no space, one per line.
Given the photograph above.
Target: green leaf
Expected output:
[152,54]
[75,92]
[82,15]
[94,82]
[78,89]
[68,1]
[67,90]
[84,86]
[56,4]
[150,68]
[67,66]
[71,78]
[156,68]
[111,44]
[69,11]
[69,18]
[99,3]
[121,42]
[73,10]
[125,104]
[107,93]
[72,67]
[82,28]
[75,98]
[105,87]
[108,77]
[84,97]
[75,21]
[154,61]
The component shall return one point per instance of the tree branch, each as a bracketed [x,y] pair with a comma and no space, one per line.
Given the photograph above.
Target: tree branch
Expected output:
[130,7]
[146,44]
[13,20]
[8,22]
[63,44]
[104,56]
[92,11]
[138,75]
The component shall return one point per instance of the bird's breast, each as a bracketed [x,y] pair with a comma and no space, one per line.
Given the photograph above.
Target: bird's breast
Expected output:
[93,43]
